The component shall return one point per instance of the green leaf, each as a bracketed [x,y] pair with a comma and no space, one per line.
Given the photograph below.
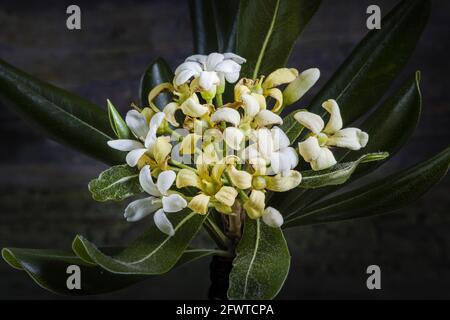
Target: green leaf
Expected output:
[156,73]
[367,73]
[267,31]
[152,253]
[379,197]
[389,127]
[214,25]
[116,183]
[66,117]
[261,264]
[338,174]
[48,268]
[117,123]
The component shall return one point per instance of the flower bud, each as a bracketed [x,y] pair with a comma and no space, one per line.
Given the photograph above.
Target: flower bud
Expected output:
[296,89]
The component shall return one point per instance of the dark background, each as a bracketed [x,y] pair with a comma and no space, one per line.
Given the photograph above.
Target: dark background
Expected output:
[44,200]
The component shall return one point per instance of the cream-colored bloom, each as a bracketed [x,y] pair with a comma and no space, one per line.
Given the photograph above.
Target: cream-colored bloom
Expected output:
[255,204]
[315,148]
[297,88]
[193,108]
[160,200]
[210,69]
[144,132]
[199,204]
[272,217]
[274,147]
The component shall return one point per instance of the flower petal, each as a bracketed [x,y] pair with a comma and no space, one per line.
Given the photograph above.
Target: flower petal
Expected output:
[297,89]
[184,76]
[227,66]
[310,120]
[335,122]
[208,79]
[280,183]
[165,181]
[213,60]
[251,105]
[200,58]
[146,182]
[272,217]
[189,65]
[277,95]
[234,57]
[350,138]
[309,149]
[254,206]
[133,156]
[155,123]
[173,203]
[279,138]
[232,77]
[226,114]
[283,160]
[191,107]
[137,123]
[169,111]
[141,208]
[199,204]
[265,143]
[267,118]
[324,161]
[234,138]
[226,195]
[125,144]
[279,77]
[188,178]
[239,178]
[163,223]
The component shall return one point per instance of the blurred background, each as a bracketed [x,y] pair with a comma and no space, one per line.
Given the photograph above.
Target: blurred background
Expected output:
[44,199]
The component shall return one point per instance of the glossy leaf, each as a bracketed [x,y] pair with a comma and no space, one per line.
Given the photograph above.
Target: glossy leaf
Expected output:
[66,117]
[389,128]
[261,264]
[156,73]
[338,174]
[152,253]
[116,183]
[48,268]
[268,30]
[117,123]
[367,73]
[379,197]
[214,25]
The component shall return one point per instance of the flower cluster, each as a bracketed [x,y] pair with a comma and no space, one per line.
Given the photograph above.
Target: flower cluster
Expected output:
[204,154]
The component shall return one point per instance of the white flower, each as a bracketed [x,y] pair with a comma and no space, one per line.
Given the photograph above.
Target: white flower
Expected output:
[211,70]
[272,146]
[272,217]
[315,148]
[159,200]
[145,134]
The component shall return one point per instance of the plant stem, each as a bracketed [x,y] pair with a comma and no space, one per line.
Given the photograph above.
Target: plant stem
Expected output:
[180,165]
[216,234]
[219,101]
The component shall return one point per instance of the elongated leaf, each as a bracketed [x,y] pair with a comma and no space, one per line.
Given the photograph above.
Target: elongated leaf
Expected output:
[382,196]
[116,183]
[156,73]
[366,74]
[389,128]
[66,117]
[48,268]
[338,174]
[267,31]
[214,25]
[261,264]
[153,253]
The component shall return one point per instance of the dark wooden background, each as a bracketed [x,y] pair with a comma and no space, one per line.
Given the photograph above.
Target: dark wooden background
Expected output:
[44,200]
